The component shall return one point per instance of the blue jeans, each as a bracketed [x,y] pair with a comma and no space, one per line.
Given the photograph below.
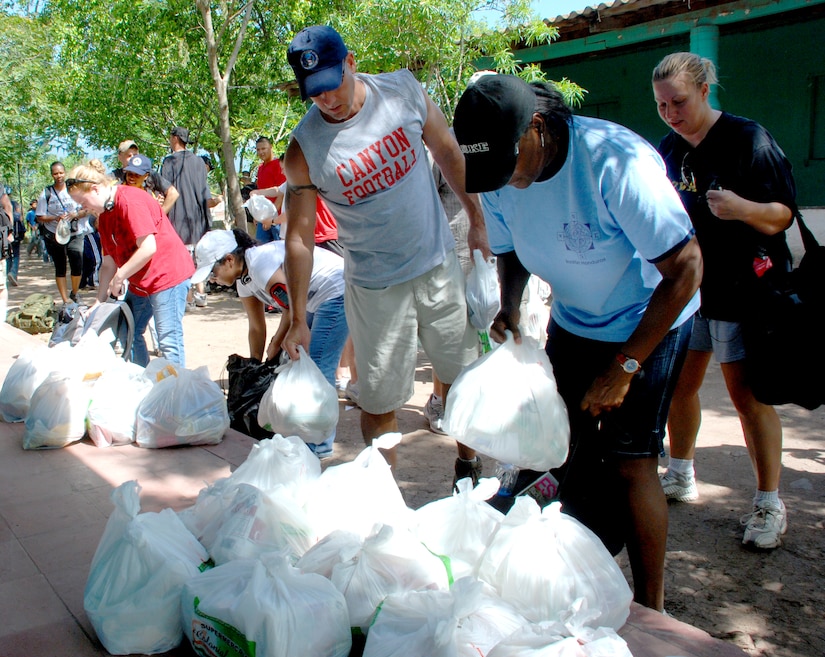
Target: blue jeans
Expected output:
[13,264]
[264,236]
[167,307]
[328,333]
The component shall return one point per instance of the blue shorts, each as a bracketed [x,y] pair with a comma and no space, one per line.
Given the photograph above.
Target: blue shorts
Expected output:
[722,338]
[636,429]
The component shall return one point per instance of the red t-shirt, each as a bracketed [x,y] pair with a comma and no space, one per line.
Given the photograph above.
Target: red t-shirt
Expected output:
[326,228]
[270,174]
[137,214]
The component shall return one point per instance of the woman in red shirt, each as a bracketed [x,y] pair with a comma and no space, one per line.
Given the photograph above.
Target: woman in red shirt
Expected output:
[139,246]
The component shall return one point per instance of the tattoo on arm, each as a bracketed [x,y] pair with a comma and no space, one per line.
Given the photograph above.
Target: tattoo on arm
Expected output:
[297,189]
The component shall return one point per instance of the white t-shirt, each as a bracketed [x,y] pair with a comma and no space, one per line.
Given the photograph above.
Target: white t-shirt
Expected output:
[326,282]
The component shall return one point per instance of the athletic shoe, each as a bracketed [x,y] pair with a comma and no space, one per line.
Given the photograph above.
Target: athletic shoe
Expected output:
[464,469]
[434,412]
[764,526]
[679,487]
[199,299]
[73,297]
[12,280]
[351,392]
[341,388]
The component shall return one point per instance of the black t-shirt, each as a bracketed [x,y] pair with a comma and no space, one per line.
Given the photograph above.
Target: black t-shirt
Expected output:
[190,214]
[740,155]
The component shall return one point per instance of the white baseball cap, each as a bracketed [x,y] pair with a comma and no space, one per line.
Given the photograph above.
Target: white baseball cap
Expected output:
[212,248]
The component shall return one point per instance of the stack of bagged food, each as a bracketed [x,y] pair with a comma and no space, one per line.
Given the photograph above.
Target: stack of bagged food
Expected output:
[282,559]
[66,392]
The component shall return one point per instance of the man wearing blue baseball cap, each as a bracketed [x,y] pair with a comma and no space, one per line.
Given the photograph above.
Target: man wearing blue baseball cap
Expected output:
[361,147]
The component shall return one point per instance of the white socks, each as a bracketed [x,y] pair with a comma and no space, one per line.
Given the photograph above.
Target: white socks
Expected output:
[681,466]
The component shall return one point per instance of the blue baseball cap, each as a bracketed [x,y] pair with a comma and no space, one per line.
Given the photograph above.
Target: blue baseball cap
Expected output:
[139,164]
[317,55]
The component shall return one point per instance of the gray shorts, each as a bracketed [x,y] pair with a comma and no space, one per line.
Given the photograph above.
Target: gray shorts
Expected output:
[722,338]
[387,324]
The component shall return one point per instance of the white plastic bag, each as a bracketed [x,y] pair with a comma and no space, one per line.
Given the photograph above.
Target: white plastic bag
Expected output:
[543,562]
[483,292]
[273,462]
[355,496]
[535,313]
[459,527]
[255,523]
[506,405]
[423,623]
[300,402]
[265,608]
[116,395]
[388,561]
[552,639]
[27,372]
[57,415]
[132,595]
[260,208]
[187,409]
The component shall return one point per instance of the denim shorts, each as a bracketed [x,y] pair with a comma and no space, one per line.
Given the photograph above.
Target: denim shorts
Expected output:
[722,338]
[636,429]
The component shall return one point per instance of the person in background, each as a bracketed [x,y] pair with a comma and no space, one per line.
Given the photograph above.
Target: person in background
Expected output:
[154,183]
[53,205]
[19,234]
[625,269]
[190,215]
[737,186]
[231,256]
[403,281]
[6,213]
[139,245]
[270,178]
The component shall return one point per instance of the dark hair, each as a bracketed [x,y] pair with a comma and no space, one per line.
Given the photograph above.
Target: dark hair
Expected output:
[55,163]
[550,104]
[245,241]
[262,138]
[208,161]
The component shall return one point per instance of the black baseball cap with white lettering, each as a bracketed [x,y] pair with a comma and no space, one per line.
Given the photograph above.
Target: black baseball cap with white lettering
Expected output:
[490,118]
[317,55]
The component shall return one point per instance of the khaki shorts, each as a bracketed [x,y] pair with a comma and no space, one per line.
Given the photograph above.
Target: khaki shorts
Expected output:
[386,325]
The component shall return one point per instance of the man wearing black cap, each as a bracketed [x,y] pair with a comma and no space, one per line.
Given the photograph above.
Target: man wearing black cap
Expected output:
[361,147]
[190,214]
[587,206]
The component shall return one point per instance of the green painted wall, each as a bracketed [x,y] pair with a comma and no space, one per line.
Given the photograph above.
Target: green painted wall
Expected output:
[765,74]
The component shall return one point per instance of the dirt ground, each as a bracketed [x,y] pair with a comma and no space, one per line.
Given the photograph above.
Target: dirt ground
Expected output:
[769,604]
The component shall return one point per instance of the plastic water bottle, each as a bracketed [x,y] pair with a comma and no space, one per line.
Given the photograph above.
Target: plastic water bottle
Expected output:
[507,474]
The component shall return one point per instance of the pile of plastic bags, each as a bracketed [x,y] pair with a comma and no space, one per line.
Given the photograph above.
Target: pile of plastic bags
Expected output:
[280,559]
[64,393]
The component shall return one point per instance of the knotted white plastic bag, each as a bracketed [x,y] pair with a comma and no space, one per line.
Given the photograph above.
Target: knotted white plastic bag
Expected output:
[367,571]
[266,608]
[116,395]
[257,522]
[260,208]
[279,461]
[483,292]
[543,562]
[187,409]
[27,372]
[355,496]
[132,595]
[300,402]
[506,405]
[57,415]
[459,527]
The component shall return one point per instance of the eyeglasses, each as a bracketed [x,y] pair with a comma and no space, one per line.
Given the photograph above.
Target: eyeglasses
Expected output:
[72,182]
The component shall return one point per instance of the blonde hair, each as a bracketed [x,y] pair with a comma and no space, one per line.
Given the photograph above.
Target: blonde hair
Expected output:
[91,173]
[698,69]
[97,165]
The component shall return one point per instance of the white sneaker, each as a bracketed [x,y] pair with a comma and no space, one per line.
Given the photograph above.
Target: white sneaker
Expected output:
[199,299]
[341,387]
[434,412]
[764,526]
[352,392]
[679,487]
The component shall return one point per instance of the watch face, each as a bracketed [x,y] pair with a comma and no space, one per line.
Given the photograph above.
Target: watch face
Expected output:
[631,365]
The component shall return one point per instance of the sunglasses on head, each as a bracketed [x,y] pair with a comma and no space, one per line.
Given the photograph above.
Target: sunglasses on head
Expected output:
[72,182]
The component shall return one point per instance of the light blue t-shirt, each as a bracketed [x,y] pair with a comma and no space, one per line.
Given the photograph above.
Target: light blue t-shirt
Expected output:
[594,230]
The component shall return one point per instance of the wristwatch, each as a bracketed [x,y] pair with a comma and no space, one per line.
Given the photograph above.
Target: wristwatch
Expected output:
[628,364]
